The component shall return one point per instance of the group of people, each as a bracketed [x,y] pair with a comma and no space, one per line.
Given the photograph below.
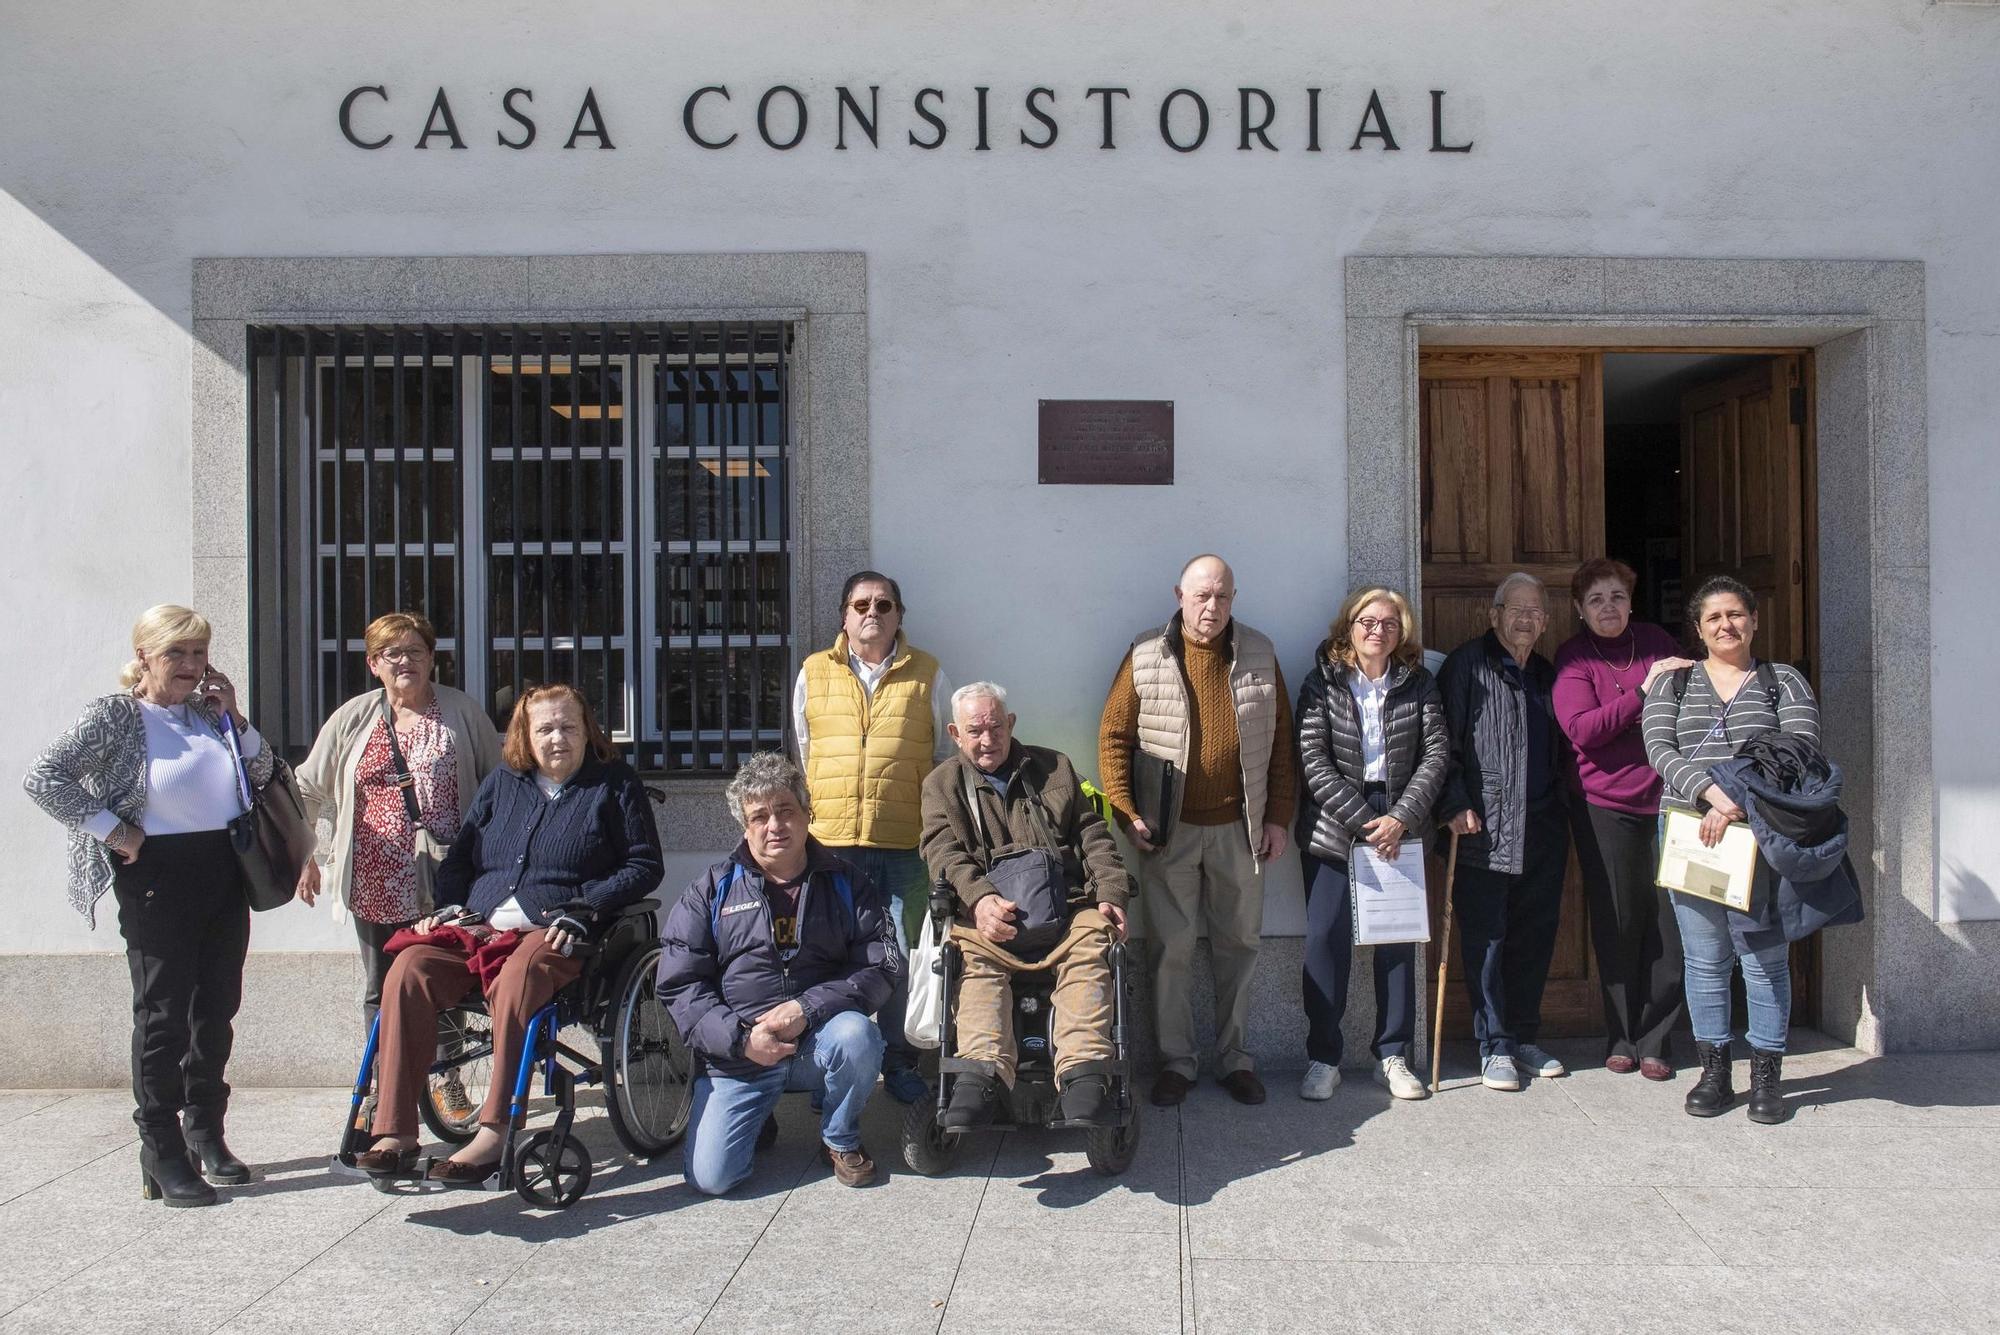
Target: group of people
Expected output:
[469,861]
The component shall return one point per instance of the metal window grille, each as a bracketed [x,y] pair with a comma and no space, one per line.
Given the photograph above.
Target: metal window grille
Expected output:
[606,505]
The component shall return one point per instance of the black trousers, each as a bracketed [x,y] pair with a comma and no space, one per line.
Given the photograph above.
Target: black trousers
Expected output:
[186,923]
[1507,934]
[1632,930]
[1329,963]
[375,962]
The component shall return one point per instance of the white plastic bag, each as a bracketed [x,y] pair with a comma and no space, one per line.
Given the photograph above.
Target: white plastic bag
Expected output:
[923,1021]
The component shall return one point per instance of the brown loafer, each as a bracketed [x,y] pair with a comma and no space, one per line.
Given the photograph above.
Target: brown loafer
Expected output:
[852,1167]
[1654,1068]
[386,1163]
[452,1173]
[1620,1064]
[1244,1086]
[1170,1088]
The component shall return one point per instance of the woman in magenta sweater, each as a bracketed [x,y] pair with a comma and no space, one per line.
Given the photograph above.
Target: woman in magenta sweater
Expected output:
[1602,675]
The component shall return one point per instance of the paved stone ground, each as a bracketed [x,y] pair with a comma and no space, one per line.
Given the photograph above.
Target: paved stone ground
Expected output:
[1585,1204]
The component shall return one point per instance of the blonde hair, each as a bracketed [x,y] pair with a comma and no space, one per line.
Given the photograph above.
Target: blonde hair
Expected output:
[390,627]
[158,627]
[1409,650]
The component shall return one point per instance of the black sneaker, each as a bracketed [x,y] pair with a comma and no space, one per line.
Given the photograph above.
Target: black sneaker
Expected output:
[1084,1098]
[973,1101]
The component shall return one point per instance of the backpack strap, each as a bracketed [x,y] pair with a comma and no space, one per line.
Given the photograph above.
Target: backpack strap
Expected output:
[722,889]
[1767,677]
[1680,679]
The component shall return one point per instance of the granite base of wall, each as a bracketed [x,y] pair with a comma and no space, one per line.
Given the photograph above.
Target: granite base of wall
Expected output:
[300,1023]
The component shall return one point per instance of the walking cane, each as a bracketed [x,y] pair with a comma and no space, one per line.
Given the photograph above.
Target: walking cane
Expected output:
[1444,963]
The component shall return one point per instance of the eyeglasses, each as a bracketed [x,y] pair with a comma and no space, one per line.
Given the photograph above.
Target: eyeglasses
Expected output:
[401,654]
[1531,613]
[881,606]
[1380,625]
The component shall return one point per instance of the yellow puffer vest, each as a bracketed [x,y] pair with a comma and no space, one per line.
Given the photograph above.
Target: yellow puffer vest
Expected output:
[866,759]
[1161,683]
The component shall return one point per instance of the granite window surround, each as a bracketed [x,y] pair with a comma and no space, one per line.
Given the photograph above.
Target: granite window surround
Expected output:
[823,294]
[1865,322]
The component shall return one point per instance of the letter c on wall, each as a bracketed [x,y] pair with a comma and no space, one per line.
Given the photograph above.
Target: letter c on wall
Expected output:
[347,116]
[687,116]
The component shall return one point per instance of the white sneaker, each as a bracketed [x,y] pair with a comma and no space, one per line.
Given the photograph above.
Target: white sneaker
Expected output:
[1320,1081]
[1538,1063]
[1395,1075]
[1498,1072]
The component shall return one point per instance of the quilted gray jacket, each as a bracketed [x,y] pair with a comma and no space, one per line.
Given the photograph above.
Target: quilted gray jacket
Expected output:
[1416,751]
[100,764]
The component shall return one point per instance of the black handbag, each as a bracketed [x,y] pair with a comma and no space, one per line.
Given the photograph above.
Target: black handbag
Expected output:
[272,837]
[1032,879]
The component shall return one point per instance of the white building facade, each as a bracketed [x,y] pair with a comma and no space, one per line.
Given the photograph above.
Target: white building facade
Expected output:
[618,337]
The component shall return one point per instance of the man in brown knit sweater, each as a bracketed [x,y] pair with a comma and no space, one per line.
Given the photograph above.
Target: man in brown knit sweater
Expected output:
[1203,692]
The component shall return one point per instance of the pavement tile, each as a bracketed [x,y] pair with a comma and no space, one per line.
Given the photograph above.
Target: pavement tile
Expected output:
[1044,1181]
[1027,1280]
[1819,1225]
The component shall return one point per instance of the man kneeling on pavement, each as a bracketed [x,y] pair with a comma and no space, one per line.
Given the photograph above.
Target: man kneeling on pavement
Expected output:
[997,797]
[771,964]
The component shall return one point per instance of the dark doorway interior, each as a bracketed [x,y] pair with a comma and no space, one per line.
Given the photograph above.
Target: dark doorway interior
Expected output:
[1642,468]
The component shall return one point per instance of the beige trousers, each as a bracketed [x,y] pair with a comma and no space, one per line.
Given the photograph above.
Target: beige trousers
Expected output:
[1204,876]
[984,1016]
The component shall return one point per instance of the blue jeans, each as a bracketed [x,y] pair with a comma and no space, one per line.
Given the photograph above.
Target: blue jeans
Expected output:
[839,1060]
[900,874]
[1710,954]
[1330,952]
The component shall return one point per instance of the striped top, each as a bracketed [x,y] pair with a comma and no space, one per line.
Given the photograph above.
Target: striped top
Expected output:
[1683,741]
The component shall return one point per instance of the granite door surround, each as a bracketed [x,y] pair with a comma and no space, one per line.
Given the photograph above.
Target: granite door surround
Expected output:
[823,294]
[1865,321]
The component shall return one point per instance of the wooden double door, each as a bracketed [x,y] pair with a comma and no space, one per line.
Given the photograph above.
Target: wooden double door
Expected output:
[1511,470]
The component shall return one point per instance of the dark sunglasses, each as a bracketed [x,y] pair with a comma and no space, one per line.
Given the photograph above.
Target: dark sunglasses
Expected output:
[882,606]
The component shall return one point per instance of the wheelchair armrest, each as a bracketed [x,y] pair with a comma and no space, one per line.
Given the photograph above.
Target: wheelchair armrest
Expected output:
[944,902]
[639,908]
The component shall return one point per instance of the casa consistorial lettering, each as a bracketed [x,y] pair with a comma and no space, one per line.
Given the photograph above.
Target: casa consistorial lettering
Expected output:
[979,118]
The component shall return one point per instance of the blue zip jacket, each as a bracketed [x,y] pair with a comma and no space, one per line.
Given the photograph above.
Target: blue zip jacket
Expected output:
[720,968]
[1813,883]
[597,841]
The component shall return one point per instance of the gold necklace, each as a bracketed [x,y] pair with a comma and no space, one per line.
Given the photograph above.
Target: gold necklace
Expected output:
[1626,666]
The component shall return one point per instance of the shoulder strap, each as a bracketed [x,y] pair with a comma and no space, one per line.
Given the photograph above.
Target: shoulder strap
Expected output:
[404,779]
[1681,676]
[722,888]
[971,786]
[844,887]
[1767,677]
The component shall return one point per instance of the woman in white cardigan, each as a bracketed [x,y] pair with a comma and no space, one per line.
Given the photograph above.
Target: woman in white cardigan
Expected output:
[366,779]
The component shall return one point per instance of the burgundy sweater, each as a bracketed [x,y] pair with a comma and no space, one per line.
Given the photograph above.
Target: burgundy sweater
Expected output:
[1602,722]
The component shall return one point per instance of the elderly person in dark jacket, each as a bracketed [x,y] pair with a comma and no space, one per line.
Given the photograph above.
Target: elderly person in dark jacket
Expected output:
[1373,753]
[559,837]
[771,964]
[993,797]
[1505,798]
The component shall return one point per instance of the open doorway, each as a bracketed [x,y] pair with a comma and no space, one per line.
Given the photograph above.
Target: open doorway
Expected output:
[1680,462]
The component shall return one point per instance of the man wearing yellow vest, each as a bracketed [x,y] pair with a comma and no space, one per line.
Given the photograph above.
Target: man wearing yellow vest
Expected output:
[1204,693]
[870,716]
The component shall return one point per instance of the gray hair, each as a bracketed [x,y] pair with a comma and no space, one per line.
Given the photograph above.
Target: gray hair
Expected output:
[1515,581]
[761,775]
[978,690]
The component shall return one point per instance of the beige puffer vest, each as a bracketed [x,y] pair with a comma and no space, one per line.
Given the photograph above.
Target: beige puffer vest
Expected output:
[1161,681]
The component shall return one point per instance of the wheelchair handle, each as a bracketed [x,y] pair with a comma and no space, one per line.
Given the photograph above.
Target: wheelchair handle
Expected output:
[944,902]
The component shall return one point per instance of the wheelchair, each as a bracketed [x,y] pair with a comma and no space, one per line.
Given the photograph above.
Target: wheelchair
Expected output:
[1032,1103]
[647,1073]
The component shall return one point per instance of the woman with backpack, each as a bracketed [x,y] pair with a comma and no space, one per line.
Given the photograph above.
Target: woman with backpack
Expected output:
[1696,719]
[1604,675]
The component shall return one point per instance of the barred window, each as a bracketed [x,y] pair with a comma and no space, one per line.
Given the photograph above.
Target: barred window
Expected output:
[603,505]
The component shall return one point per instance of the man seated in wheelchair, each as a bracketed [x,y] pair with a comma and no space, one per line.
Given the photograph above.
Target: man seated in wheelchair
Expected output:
[1039,886]
[558,839]
[772,964]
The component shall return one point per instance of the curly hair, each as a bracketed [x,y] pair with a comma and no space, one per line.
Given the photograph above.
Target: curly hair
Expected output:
[761,775]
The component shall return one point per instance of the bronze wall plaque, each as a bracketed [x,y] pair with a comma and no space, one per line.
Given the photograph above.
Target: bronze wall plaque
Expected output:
[1106,442]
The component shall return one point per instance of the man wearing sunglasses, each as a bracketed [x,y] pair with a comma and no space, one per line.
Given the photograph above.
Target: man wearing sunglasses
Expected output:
[870,714]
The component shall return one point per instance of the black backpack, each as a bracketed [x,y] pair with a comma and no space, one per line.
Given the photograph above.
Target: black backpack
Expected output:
[1767,677]
[1032,879]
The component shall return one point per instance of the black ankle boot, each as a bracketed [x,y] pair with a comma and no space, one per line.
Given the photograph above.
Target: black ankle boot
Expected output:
[218,1165]
[1083,1098]
[1767,1105]
[1714,1094]
[171,1175]
[973,1102]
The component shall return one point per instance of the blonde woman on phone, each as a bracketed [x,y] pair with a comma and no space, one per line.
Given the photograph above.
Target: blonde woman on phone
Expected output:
[146,784]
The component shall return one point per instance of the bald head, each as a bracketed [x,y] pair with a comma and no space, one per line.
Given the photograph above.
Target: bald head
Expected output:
[1206,593]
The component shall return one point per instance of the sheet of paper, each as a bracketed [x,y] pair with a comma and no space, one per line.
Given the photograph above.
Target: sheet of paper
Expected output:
[1723,874]
[1389,900]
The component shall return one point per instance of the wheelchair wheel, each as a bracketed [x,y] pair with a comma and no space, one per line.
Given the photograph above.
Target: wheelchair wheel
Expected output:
[926,1148]
[1110,1149]
[649,1071]
[450,1106]
[552,1169]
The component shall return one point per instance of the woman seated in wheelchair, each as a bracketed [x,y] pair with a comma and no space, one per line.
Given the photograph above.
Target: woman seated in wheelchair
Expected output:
[771,964]
[1039,886]
[559,838]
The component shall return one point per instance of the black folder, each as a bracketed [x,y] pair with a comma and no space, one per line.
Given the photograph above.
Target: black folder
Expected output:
[1156,786]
